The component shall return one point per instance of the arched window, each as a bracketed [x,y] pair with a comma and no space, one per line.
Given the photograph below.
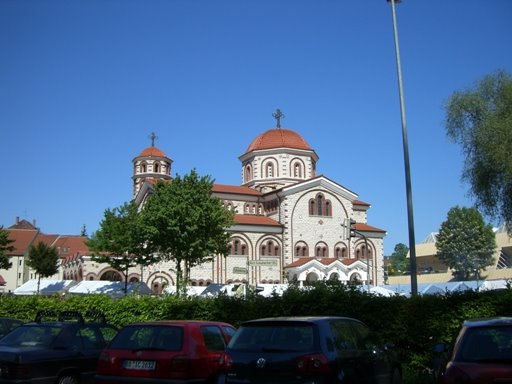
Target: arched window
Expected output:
[363,253]
[321,250]
[270,248]
[320,206]
[269,169]
[143,167]
[156,168]
[238,247]
[301,249]
[340,251]
[328,209]
[312,207]
[297,170]
[248,173]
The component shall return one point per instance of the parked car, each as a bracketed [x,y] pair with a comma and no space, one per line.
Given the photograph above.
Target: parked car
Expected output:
[289,350]
[180,351]
[57,348]
[482,353]
[7,324]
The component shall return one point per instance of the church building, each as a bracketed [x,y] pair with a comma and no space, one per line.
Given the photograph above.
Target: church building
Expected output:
[290,222]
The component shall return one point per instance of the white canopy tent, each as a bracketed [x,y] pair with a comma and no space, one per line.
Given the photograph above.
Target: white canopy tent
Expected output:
[268,290]
[46,287]
[494,284]
[191,290]
[111,288]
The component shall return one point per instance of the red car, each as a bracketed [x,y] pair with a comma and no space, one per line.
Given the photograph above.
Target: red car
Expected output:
[482,353]
[174,351]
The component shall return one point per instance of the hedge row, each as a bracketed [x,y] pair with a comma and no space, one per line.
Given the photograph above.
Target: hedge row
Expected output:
[413,324]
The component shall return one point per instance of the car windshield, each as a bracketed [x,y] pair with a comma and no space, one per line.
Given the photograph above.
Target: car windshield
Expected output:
[487,344]
[273,337]
[152,337]
[31,335]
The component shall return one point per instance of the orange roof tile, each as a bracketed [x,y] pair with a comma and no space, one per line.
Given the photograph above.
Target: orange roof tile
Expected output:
[367,228]
[46,239]
[23,224]
[72,245]
[23,238]
[278,138]
[152,152]
[256,220]
[235,189]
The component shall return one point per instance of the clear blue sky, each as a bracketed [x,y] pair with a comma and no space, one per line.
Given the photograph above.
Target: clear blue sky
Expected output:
[84,82]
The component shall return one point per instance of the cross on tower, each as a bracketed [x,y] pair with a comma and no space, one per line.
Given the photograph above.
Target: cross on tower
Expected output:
[153,137]
[278,115]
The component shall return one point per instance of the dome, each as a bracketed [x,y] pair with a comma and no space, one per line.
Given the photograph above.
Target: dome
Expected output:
[152,152]
[278,138]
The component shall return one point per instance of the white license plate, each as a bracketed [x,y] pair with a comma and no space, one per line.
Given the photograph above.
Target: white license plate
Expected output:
[142,365]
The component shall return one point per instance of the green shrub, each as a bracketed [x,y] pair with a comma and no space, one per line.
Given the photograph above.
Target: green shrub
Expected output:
[414,325]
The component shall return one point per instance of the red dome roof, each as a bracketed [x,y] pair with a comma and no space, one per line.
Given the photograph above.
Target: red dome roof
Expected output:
[278,138]
[152,151]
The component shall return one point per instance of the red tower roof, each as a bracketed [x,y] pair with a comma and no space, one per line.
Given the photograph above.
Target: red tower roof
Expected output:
[278,138]
[152,151]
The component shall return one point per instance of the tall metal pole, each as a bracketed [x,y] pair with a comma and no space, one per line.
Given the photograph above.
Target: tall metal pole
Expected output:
[410,216]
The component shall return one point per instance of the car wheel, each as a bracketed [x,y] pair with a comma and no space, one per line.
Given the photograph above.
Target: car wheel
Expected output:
[396,377]
[68,379]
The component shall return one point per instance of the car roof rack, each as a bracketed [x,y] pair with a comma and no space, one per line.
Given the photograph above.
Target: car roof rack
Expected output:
[44,314]
[96,315]
[70,316]
[67,316]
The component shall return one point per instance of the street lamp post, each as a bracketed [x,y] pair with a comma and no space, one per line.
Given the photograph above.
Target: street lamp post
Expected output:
[410,216]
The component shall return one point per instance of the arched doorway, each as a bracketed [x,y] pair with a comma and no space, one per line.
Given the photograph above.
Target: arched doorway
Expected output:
[311,278]
[111,275]
[355,279]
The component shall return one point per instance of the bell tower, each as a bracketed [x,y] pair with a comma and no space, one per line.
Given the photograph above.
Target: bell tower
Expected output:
[150,165]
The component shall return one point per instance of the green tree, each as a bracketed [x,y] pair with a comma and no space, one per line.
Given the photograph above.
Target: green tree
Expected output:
[465,243]
[5,246]
[398,261]
[44,259]
[186,224]
[480,120]
[120,241]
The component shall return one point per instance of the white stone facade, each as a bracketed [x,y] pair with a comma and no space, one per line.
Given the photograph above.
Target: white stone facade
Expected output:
[288,222]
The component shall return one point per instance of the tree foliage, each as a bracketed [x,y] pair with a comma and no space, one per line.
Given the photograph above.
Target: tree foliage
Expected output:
[480,120]
[44,259]
[398,260]
[120,241]
[186,224]
[465,243]
[5,246]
